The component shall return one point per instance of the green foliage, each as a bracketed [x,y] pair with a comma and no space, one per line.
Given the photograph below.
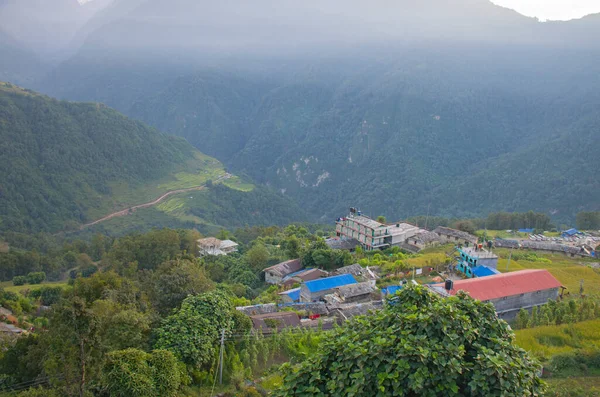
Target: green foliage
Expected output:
[191,333]
[61,159]
[174,280]
[47,295]
[588,220]
[420,344]
[19,280]
[132,372]
[257,257]
[36,277]
[566,311]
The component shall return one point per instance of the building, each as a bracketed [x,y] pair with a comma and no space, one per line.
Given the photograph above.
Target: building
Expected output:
[448,235]
[422,240]
[257,309]
[476,262]
[290,296]
[570,233]
[544,246]
[509,292]
[372,234]
[214,246]
[270,322]
[359,272]
[346,311]
[311,291]
[303,276]
[276,273]
[342,243]
[356,293]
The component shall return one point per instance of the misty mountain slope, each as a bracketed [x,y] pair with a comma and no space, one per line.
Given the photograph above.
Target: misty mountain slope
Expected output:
[68,163]
[18,64]
[396,109]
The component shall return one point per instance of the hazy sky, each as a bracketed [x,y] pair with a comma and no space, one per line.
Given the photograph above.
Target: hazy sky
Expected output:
[552,9]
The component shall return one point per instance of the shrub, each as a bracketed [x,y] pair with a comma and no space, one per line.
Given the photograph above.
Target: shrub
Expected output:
[36,277]
[19,280]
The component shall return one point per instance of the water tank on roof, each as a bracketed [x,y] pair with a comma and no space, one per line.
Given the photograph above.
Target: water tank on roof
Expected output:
[449,285]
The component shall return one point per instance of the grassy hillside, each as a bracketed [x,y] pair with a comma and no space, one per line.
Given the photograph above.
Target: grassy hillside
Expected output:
[66,164]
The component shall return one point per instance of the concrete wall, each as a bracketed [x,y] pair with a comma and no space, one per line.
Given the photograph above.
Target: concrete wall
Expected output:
[509,307]
[307,296]
[270,278]
[489,262]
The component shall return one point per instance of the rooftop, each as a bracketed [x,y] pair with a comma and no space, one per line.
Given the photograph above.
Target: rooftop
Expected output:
[479,253]
[293,294]
[338,243]
[352,290]
[209,242]
[329,282]
[228,244]
[505,284]
[454,233]
[365,221]
[279,320]
[284,268]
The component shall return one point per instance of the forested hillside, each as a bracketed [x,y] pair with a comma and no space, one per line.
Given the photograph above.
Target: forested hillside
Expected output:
[68,163]
[402,109]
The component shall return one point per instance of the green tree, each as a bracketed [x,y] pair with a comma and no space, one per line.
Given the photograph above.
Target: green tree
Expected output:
[174,280]
[192,332]
[36,277]
[257,256]
[19,280]
[466,226]
[135,373]
[381,219]
[419,344]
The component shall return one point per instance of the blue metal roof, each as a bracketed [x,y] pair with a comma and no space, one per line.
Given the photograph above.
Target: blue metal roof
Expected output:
[330,282]
[391,290]
[526,230]
[570,232]
[293,294]
[483,271]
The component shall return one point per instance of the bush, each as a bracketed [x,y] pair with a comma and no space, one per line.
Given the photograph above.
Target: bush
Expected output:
[36,277]
[19,280]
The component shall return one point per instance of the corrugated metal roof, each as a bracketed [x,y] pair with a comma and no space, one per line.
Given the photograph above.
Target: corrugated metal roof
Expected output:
[293,294]
[330,282]
[284,268]
[484,271]
[506,284]
[391,290]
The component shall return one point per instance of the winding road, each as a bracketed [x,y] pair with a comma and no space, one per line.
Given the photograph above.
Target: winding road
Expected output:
[130,210]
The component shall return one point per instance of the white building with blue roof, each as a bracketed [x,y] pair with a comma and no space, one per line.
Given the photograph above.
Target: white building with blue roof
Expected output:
[311,291]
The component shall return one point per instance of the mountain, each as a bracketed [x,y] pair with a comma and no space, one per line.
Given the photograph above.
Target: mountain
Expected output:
[452,108]
[66,164]
[46,27]
[18,64]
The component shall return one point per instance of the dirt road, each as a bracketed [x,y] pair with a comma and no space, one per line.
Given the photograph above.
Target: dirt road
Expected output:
[130,210]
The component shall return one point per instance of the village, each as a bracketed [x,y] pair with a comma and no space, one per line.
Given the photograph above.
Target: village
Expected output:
[315,298]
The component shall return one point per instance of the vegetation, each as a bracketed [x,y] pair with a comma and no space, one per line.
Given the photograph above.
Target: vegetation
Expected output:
[419,344]
[69,163]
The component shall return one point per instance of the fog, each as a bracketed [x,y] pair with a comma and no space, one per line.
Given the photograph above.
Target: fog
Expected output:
[62,27]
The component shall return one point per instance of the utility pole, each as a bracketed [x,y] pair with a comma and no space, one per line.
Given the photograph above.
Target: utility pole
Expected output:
[221,357]
[509,256]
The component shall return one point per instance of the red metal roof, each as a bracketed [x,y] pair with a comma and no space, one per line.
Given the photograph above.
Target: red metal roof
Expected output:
[506,284]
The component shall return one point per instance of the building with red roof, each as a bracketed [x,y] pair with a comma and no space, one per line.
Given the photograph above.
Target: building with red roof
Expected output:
[509,292]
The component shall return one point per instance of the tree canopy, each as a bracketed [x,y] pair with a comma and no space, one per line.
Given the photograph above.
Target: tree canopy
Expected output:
[418,345]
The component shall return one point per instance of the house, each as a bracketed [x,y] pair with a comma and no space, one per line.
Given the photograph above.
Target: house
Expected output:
[359,272]
[311,291]
[424,239]
[302,276]
[476,262]
[270,322]
[290,296]
[347,311]
[342,243]
[509,292]
[257,309]
[448,235]
[214,246]
[276,273]
[10,329]
[544,246]
[372,234]
[356,293]
[570,233]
